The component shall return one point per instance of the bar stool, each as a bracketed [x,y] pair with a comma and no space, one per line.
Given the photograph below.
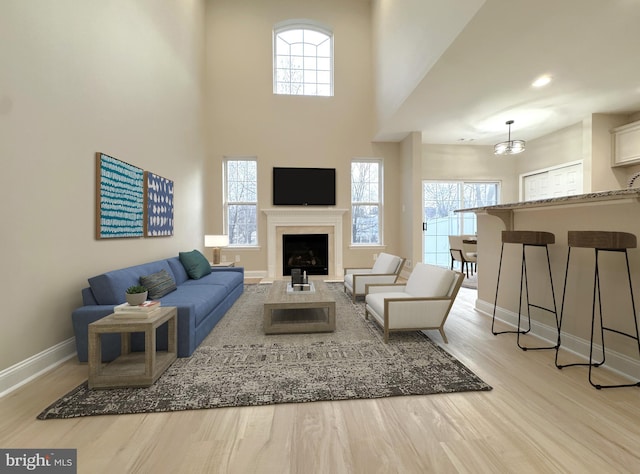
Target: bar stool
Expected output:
[601,241]
[527,238]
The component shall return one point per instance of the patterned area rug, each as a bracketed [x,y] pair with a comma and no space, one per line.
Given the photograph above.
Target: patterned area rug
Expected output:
[238,365]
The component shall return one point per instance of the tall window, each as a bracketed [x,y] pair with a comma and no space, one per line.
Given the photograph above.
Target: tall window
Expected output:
[366,202]
[302,60]
[241,201]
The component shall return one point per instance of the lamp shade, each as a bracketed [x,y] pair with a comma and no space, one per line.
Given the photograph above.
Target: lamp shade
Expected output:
[509,147]
[216,240]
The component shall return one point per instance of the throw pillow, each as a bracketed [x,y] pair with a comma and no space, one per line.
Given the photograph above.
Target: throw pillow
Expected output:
[158,284]
[195,264]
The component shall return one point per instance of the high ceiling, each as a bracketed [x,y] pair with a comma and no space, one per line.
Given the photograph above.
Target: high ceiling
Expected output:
[481,77]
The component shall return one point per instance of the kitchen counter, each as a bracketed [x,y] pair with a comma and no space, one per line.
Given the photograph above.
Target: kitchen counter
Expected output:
[607,211]
[504,211]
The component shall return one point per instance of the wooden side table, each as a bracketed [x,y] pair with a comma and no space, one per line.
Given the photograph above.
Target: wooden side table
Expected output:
[132,369]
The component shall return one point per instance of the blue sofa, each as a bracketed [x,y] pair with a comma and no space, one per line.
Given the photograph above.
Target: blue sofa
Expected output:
[201,304]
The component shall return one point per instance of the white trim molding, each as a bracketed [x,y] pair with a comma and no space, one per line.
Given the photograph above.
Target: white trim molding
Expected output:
[619,363]
[296,220]
[29,369]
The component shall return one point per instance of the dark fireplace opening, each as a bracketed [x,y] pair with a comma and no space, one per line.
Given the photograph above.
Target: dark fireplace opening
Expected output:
[308,252]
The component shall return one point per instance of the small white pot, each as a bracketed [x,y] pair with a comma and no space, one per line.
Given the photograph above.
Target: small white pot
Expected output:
[135,299]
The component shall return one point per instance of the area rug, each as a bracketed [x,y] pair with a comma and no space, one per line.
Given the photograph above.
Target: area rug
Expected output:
[238,365]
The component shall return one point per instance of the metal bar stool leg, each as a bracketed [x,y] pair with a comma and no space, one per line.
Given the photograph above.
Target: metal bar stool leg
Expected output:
[495,303]
[564,293]
[596,291]
[604,328]
[609,242]
[534,239]
[523,282]
[529,305]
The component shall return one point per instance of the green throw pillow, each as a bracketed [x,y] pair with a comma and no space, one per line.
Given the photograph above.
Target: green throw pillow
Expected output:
[195,264]
[158,284]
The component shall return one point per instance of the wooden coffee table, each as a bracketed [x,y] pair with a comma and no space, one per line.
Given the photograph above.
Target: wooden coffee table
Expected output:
[132,369]
[299,311]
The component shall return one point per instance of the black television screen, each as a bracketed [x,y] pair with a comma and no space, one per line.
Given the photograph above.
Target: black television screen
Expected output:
[304,186]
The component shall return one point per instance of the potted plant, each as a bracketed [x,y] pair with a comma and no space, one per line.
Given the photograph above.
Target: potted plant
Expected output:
[136,294]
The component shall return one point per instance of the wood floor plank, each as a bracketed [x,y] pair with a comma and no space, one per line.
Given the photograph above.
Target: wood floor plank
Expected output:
[537,419]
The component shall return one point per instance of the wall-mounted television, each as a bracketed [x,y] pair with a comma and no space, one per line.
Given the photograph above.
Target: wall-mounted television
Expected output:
[304,186]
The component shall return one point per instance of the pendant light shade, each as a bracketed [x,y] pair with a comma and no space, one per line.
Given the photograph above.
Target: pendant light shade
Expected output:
[510,147]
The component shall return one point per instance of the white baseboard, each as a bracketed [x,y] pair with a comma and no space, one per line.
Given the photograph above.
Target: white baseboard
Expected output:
[255,274]
[616,362]
[31,368]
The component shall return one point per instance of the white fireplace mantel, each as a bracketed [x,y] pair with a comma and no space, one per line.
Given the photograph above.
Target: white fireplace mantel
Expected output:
[298,218]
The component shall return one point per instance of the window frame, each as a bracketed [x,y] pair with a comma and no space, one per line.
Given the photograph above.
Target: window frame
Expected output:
[290,25]
[379,203]
[227,202]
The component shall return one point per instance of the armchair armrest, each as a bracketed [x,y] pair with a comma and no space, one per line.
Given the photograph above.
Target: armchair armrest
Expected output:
[364,271]
[416,312]
[384,288]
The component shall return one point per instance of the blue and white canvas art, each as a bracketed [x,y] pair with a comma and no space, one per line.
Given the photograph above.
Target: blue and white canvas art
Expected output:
[120,198]
[159,205]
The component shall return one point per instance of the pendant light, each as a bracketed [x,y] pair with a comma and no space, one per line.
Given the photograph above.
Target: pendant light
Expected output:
[510,147]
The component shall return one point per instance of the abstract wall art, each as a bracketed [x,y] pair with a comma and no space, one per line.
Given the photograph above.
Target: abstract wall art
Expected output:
[159,205]
[119,198]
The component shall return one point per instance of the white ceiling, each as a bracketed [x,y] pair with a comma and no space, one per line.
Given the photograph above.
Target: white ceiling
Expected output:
[482,76]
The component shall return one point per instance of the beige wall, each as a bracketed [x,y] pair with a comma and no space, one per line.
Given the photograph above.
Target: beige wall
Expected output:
[78,77]
[245,118]
[589,141]
[462,162]
[552,150]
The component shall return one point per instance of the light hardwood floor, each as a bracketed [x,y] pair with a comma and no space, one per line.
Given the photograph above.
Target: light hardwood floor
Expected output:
[536,419]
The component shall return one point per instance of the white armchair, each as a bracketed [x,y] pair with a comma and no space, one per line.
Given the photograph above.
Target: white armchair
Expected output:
[423,302]
[386,269]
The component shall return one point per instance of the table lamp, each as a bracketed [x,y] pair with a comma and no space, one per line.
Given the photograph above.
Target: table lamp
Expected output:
[215,242]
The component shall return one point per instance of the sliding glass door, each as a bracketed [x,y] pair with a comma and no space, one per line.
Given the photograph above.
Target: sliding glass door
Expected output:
[440,199]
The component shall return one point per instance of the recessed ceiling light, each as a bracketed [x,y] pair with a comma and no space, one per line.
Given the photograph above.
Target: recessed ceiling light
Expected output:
[542,81]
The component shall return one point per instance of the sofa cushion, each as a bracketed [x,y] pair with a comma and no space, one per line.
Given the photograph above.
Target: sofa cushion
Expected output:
[179,273]
[227,279]
[201,300]
[429,280]
[109,288]
[195,264]
[385,263]
[158,284]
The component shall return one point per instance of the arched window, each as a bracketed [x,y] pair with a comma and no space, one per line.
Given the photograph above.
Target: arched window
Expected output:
[302,59]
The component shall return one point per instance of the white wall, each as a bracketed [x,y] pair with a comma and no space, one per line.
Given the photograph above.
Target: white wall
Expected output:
[78,77]
[401,29]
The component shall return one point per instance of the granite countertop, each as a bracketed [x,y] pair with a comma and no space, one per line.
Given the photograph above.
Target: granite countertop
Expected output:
[576,199]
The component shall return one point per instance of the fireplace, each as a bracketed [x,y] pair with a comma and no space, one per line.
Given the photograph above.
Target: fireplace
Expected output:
[303,220]
[308,252]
